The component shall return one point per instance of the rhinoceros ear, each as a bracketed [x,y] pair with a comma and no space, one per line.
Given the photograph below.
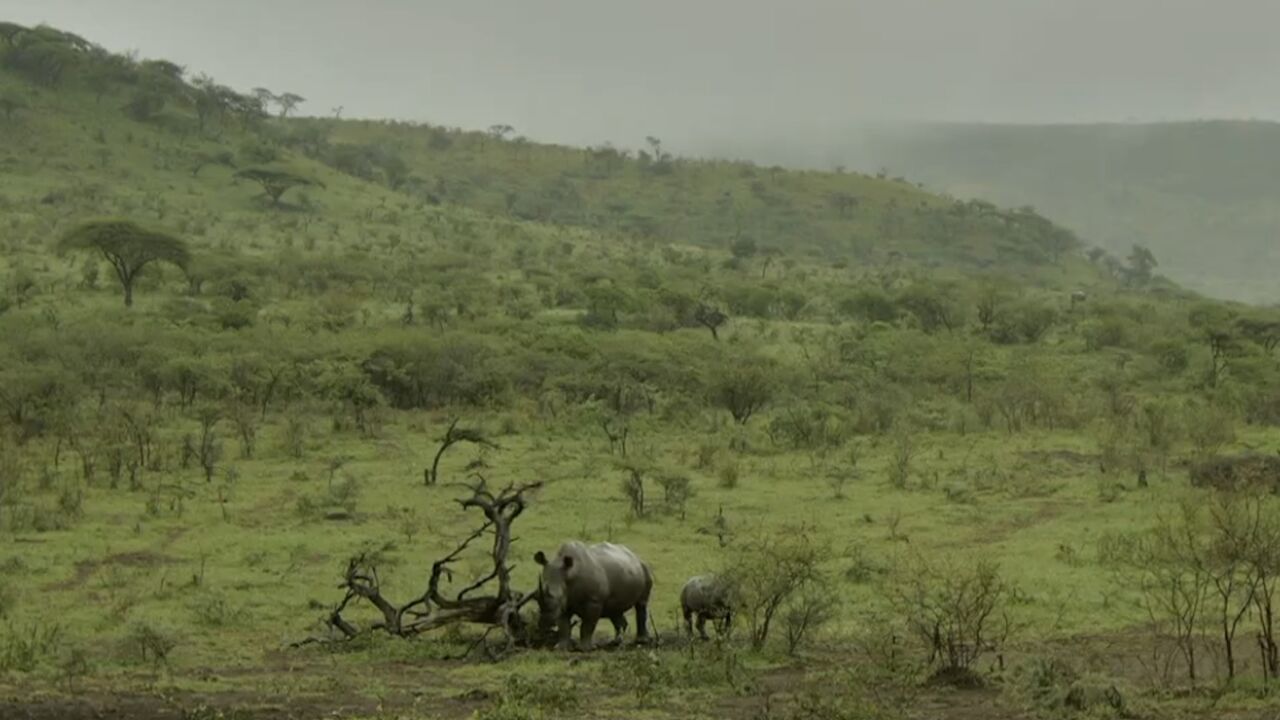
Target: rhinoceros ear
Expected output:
[568,561]
[540,558]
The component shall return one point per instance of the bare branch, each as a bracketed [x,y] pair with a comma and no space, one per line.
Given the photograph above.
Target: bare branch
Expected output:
[499,609]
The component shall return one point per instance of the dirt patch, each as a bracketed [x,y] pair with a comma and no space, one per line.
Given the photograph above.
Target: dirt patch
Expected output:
[776,689]
[1065,457]
[1237,471]
[86,568]
[227,706]
[1001,530]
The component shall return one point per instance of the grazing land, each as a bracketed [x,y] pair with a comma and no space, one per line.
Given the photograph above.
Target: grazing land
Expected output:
[957,463]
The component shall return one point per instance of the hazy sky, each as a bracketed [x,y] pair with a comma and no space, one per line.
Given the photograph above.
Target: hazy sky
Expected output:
[586,71]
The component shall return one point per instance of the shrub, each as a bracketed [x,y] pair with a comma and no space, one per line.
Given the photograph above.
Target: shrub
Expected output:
[807,613]
[632,486]
[676,491]
[257,152]
[765,574]
[345,493]
[1056,689]
[297,431]
[147,643]
[416,372]
[1172,356]
[957,609]
[24,649]
[806,427]
[645,675]
[1210,429]
[71,500]
[1237,472]
[211,610]
[532,699]
[1105,333]
[233,315]
[728,475]
[743,385]
[903,451]
[1025,322]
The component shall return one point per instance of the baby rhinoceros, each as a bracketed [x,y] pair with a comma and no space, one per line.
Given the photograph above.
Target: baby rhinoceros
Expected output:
[708,597]
[592,582]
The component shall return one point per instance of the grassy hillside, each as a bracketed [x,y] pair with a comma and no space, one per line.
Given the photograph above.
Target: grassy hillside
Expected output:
[653,197]
[889,403]
[1200,195]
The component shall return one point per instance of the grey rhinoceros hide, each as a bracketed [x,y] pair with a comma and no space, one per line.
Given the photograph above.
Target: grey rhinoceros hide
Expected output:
[591,582]
[706,597]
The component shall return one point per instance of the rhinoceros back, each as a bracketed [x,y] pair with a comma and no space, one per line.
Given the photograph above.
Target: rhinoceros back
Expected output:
[611,574]
[703,593]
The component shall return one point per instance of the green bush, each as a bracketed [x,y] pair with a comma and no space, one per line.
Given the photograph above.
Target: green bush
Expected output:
[146,643]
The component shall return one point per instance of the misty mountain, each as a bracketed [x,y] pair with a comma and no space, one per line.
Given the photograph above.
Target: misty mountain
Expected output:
[1201,195]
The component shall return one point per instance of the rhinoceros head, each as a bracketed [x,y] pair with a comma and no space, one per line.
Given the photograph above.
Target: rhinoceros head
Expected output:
[551,587]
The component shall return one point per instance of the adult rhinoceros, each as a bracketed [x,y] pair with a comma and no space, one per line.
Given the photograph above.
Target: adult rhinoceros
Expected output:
[592,582]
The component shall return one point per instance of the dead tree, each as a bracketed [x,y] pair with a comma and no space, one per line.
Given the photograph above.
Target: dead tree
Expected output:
[500,609]
[452,436]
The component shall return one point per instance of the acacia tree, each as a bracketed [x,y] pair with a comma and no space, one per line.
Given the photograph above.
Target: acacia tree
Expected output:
[287,102]
[711,318]
[129,248]
[276,182]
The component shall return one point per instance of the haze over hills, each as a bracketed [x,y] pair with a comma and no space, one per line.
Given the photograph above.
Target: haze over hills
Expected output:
[1201,195]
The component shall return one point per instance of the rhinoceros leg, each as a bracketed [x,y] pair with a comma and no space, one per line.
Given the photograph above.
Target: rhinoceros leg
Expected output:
[590,616]
[702,626]
[688,622]
[564,632]
[619,628]
[642,622]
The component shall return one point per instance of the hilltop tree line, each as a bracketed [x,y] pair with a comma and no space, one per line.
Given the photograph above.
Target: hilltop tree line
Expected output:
[649,195]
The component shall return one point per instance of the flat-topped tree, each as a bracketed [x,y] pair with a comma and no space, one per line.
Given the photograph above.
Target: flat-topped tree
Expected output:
[287,102]
[276,182]
[128,246]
